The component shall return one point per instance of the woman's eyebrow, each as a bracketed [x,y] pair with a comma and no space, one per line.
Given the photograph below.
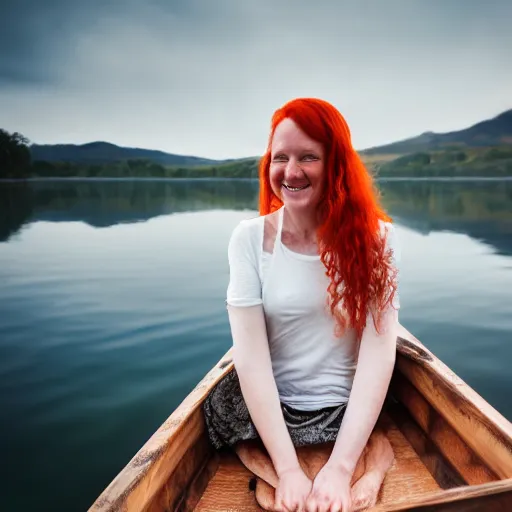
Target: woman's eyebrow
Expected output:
[300,150]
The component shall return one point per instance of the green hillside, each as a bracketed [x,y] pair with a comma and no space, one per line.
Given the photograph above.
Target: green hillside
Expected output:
[98,153]
[492,132]
[479,161]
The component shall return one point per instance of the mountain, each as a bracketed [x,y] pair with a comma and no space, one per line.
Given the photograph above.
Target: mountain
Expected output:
[492,132]
[104,152]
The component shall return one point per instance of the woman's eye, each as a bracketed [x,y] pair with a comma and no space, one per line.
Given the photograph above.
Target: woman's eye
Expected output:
[279,158]
[310,157]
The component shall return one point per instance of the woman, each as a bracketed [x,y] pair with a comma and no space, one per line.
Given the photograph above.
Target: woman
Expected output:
[313,309]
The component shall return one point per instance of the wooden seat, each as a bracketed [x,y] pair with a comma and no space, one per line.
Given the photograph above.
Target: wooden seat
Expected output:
[230,489]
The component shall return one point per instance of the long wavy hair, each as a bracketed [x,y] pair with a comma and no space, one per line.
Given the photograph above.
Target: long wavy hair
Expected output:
[352,248]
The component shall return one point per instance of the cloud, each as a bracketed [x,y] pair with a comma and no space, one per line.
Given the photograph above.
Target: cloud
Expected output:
[201,77]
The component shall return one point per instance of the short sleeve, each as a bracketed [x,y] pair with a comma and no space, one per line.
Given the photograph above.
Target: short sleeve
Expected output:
[244,287]
[393,243]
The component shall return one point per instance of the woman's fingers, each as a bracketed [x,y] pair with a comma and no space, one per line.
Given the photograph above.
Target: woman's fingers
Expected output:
[315,504]
[287,504]
[324,505]
[336,506]
[311,504]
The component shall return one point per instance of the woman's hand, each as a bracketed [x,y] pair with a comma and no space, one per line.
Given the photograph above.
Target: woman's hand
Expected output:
[330,491]
[292,491]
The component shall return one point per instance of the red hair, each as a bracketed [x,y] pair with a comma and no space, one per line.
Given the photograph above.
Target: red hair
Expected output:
[352,248]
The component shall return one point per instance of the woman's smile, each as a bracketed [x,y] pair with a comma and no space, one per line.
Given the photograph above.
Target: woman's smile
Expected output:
[296,188]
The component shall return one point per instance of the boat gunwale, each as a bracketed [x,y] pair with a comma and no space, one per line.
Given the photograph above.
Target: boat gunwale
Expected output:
[453,495]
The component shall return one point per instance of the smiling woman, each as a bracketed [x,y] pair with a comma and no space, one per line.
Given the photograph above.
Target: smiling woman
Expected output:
[313,311]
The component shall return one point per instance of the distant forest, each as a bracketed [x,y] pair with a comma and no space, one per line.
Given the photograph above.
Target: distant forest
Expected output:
[479,161]
[16,162]
[15,157]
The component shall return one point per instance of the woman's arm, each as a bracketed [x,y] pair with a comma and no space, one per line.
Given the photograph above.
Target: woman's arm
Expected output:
[253,365]
[375,365]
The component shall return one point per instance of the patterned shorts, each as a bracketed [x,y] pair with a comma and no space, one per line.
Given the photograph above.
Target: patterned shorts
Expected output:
[228,420]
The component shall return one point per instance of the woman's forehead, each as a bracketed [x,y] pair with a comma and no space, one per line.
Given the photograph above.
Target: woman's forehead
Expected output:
[289,136]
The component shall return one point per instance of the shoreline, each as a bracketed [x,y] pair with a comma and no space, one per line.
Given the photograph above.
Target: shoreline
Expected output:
[156,178]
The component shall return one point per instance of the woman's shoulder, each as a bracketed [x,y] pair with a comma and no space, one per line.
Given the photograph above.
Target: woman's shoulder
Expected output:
[247,234]
[249,227]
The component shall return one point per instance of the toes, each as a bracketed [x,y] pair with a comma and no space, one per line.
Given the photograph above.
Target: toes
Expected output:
[364,503]
[364,496]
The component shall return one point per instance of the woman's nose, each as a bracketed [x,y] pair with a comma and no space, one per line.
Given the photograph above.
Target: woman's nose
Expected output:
[292,168]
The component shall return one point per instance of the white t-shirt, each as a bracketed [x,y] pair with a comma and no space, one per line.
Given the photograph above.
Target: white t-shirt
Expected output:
[312,368]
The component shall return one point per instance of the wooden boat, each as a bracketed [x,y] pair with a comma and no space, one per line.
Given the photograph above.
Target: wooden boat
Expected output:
[453,451]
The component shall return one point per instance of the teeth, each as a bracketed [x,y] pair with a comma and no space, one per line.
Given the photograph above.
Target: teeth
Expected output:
[295,189]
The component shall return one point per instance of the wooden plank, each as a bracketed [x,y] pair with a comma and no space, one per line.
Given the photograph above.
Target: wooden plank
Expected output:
[194,493]
[444,474]
[479,425]
[408,476]
[143,479]
[450,445]
[229,489]
[490,497]
[189,479]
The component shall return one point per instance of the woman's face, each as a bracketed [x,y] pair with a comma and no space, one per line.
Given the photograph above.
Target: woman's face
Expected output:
[296,167]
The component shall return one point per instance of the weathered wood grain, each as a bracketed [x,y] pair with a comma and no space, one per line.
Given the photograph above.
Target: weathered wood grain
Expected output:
[442,435]
[189,479]
[443,472]
[489,497]
[478,424]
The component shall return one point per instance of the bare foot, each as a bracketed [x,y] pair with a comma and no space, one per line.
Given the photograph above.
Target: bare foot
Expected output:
[311,458]
[379,459]
[380,454]
[366,490]
[255,458]
[373,466]
[265,495]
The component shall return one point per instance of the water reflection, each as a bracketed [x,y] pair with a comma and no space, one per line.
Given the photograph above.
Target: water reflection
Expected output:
[480,209]
[16,208]
[106,203]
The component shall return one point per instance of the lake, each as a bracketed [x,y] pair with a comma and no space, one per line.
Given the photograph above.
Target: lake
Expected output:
[112,309]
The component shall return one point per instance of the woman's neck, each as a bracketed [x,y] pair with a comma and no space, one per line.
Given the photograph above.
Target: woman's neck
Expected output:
[302,225]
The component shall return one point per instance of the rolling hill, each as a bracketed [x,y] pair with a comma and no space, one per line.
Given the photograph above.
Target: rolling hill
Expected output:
[104,152]
[484,149]
[492,132]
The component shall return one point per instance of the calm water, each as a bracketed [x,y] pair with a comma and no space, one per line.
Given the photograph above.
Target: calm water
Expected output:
[112,308]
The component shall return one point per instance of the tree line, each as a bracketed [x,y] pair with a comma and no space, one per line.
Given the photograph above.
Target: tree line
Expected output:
[15,157]
[16,163]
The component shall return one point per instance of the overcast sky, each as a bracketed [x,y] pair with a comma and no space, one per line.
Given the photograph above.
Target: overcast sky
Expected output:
[202,77]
